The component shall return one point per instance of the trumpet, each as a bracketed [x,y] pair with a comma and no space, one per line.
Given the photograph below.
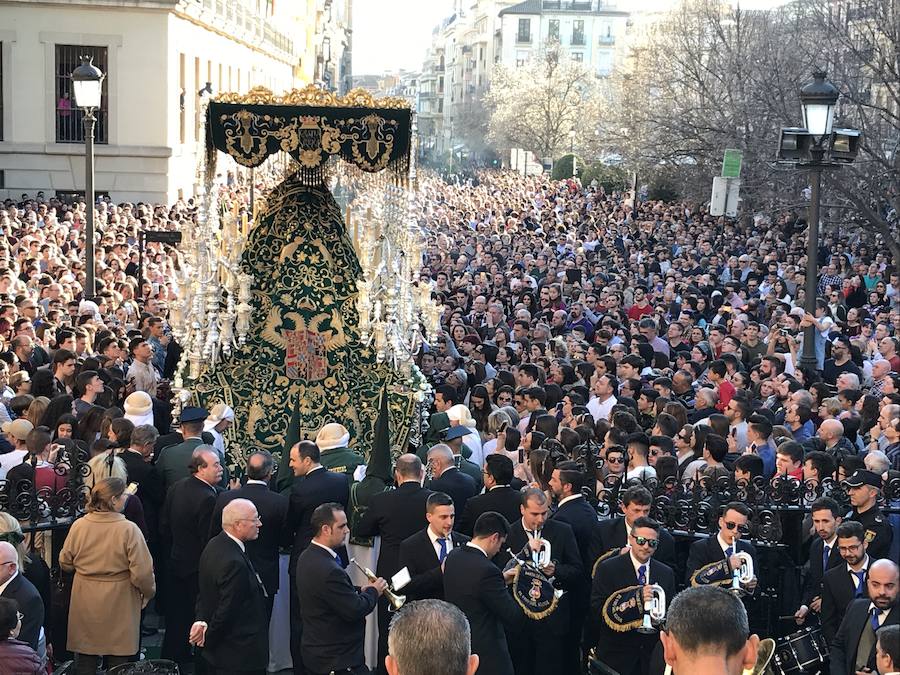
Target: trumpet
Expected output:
[540,558]
[396,601]
[654,611]
[743,575]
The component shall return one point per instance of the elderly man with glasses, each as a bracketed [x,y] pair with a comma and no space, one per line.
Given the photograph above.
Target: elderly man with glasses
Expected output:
[14,586]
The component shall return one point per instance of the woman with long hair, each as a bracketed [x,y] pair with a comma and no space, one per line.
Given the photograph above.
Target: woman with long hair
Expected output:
[481,408]
[113,580]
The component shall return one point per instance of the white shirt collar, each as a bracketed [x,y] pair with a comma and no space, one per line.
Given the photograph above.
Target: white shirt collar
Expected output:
[865,566]
[434,540]
[724,544]
[830,542]
[637,563]
[882,613]
[8,581]
[333,554]
[568,499]
[253,481]
[474,545]
[236,541]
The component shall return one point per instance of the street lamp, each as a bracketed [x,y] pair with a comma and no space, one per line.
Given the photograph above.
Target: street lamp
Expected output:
[87,82]
[816,147]
[572,152]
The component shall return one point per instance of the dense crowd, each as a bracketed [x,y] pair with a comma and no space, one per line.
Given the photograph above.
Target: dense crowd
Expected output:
[588,345]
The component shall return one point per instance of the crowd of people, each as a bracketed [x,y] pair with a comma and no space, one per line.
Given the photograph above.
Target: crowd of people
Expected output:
[589,347]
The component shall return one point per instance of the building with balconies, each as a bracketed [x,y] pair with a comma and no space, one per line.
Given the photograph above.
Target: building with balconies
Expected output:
[159,57]
[587,29]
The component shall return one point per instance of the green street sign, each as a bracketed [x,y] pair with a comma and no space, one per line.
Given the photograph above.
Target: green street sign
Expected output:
[731,165]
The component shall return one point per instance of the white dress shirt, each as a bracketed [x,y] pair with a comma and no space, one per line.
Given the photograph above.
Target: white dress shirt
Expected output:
[436,544]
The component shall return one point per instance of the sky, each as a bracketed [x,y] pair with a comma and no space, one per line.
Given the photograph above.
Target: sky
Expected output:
[389,35]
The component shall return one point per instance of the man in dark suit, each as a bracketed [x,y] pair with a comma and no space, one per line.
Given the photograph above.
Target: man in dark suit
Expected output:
[137,457]
[422,553]
[823,554]
[853,648]
[573,509]
[318,486]
[333,610]
[636,503]
[172,461]
[448,478]
[184,524]
[498,495]
[14,586]
[272,509]
[725,544]
[628,652]
[232,625]
[475,585]
[538,647]
[394,515]
[846,582]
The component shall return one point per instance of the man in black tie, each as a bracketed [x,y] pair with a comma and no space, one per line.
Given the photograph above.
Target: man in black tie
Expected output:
[498,495]
[853,648]
[846,582]
[424,552]
[273,510]
[185,521]
[613,532]
[318,486]
[333,610]
[823,554]
[725,545]
[448,478]
[232,624]
[394,515]
[628,652]
[475,585]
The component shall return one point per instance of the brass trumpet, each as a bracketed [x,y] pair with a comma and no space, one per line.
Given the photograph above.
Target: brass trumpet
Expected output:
[743,575]
[395,600]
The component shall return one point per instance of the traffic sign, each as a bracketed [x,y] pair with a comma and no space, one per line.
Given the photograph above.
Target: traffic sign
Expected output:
[731,165]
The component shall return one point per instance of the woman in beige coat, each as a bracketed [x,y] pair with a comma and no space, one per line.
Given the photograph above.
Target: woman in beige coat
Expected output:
[113,580]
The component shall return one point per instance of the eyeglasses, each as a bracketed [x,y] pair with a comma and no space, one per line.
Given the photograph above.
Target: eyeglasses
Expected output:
[731,526]
[615,460]
[257,519]
[643,541]
[10,562]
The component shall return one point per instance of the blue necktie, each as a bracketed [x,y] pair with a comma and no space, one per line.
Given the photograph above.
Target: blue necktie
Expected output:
[729,552]
[443,554]
[642,575]
[861,576]
[826,553]
[874,619]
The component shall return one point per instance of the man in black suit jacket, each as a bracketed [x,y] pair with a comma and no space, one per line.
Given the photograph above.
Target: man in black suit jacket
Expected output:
[842,584]
[725,544]
[629,652]
[423,552]
[318,486]
[394,515]
[16,587]
[636,503]
[853,648]
[137,459]
[498,495]
[475,585]
[333,610]
[272,509]
[448,478]
[823,554]
[232,625]
[538,648]
[184,523]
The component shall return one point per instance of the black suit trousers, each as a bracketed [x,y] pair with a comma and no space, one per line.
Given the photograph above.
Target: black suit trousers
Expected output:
[535,652]
[180,608]
[296,624]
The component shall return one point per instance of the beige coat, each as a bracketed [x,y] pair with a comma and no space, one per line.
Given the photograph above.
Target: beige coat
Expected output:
[113,580]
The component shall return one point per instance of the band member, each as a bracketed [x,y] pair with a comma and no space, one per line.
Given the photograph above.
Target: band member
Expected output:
[864,488]
[636,503]
[539,647]
[846,582]
[823,554]
[622,587]
[474,584]
[853,649]
[714,560]
[424,552]
[333,611]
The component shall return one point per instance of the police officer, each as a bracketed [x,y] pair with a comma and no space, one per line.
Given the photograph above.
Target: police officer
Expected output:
[864,487]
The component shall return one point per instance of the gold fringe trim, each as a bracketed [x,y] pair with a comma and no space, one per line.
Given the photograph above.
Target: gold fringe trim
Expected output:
[621,627]
[312,95]
[537,616]
[606,556]
[710,567]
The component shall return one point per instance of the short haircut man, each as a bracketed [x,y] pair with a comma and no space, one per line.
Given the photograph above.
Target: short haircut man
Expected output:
[637,494]
[430,637]
[325,514]
[706,622]
[436,499]
[260,465]
[500,468]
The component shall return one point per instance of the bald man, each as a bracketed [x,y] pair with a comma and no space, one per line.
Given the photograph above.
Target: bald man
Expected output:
[395,515]
[853,647]
[832,434]
[14,586]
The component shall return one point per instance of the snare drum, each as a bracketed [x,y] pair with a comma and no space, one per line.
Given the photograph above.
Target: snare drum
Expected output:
[802,652]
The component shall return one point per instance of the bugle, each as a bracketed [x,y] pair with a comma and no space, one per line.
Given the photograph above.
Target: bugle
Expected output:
[743,575]
[395,600]
[654,610]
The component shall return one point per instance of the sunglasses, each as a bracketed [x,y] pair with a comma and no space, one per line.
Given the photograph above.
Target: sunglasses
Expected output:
[731,526]
[615,460]
[643,541]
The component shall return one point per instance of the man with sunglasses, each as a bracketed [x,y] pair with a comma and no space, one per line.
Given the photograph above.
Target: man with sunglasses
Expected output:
[614,532]
[629,652]
[725,545]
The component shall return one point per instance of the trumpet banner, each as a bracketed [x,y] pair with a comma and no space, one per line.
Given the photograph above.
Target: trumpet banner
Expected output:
[714,574]
[534,592]
[624,610]
[303,354]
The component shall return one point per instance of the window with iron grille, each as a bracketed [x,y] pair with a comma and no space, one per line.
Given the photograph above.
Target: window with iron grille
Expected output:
[578,32]
[69,119]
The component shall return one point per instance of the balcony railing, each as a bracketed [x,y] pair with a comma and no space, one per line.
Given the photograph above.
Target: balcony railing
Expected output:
[522,38]
[232,17]
[607,39]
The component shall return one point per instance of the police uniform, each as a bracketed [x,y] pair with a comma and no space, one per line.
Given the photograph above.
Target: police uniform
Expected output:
[878,529]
